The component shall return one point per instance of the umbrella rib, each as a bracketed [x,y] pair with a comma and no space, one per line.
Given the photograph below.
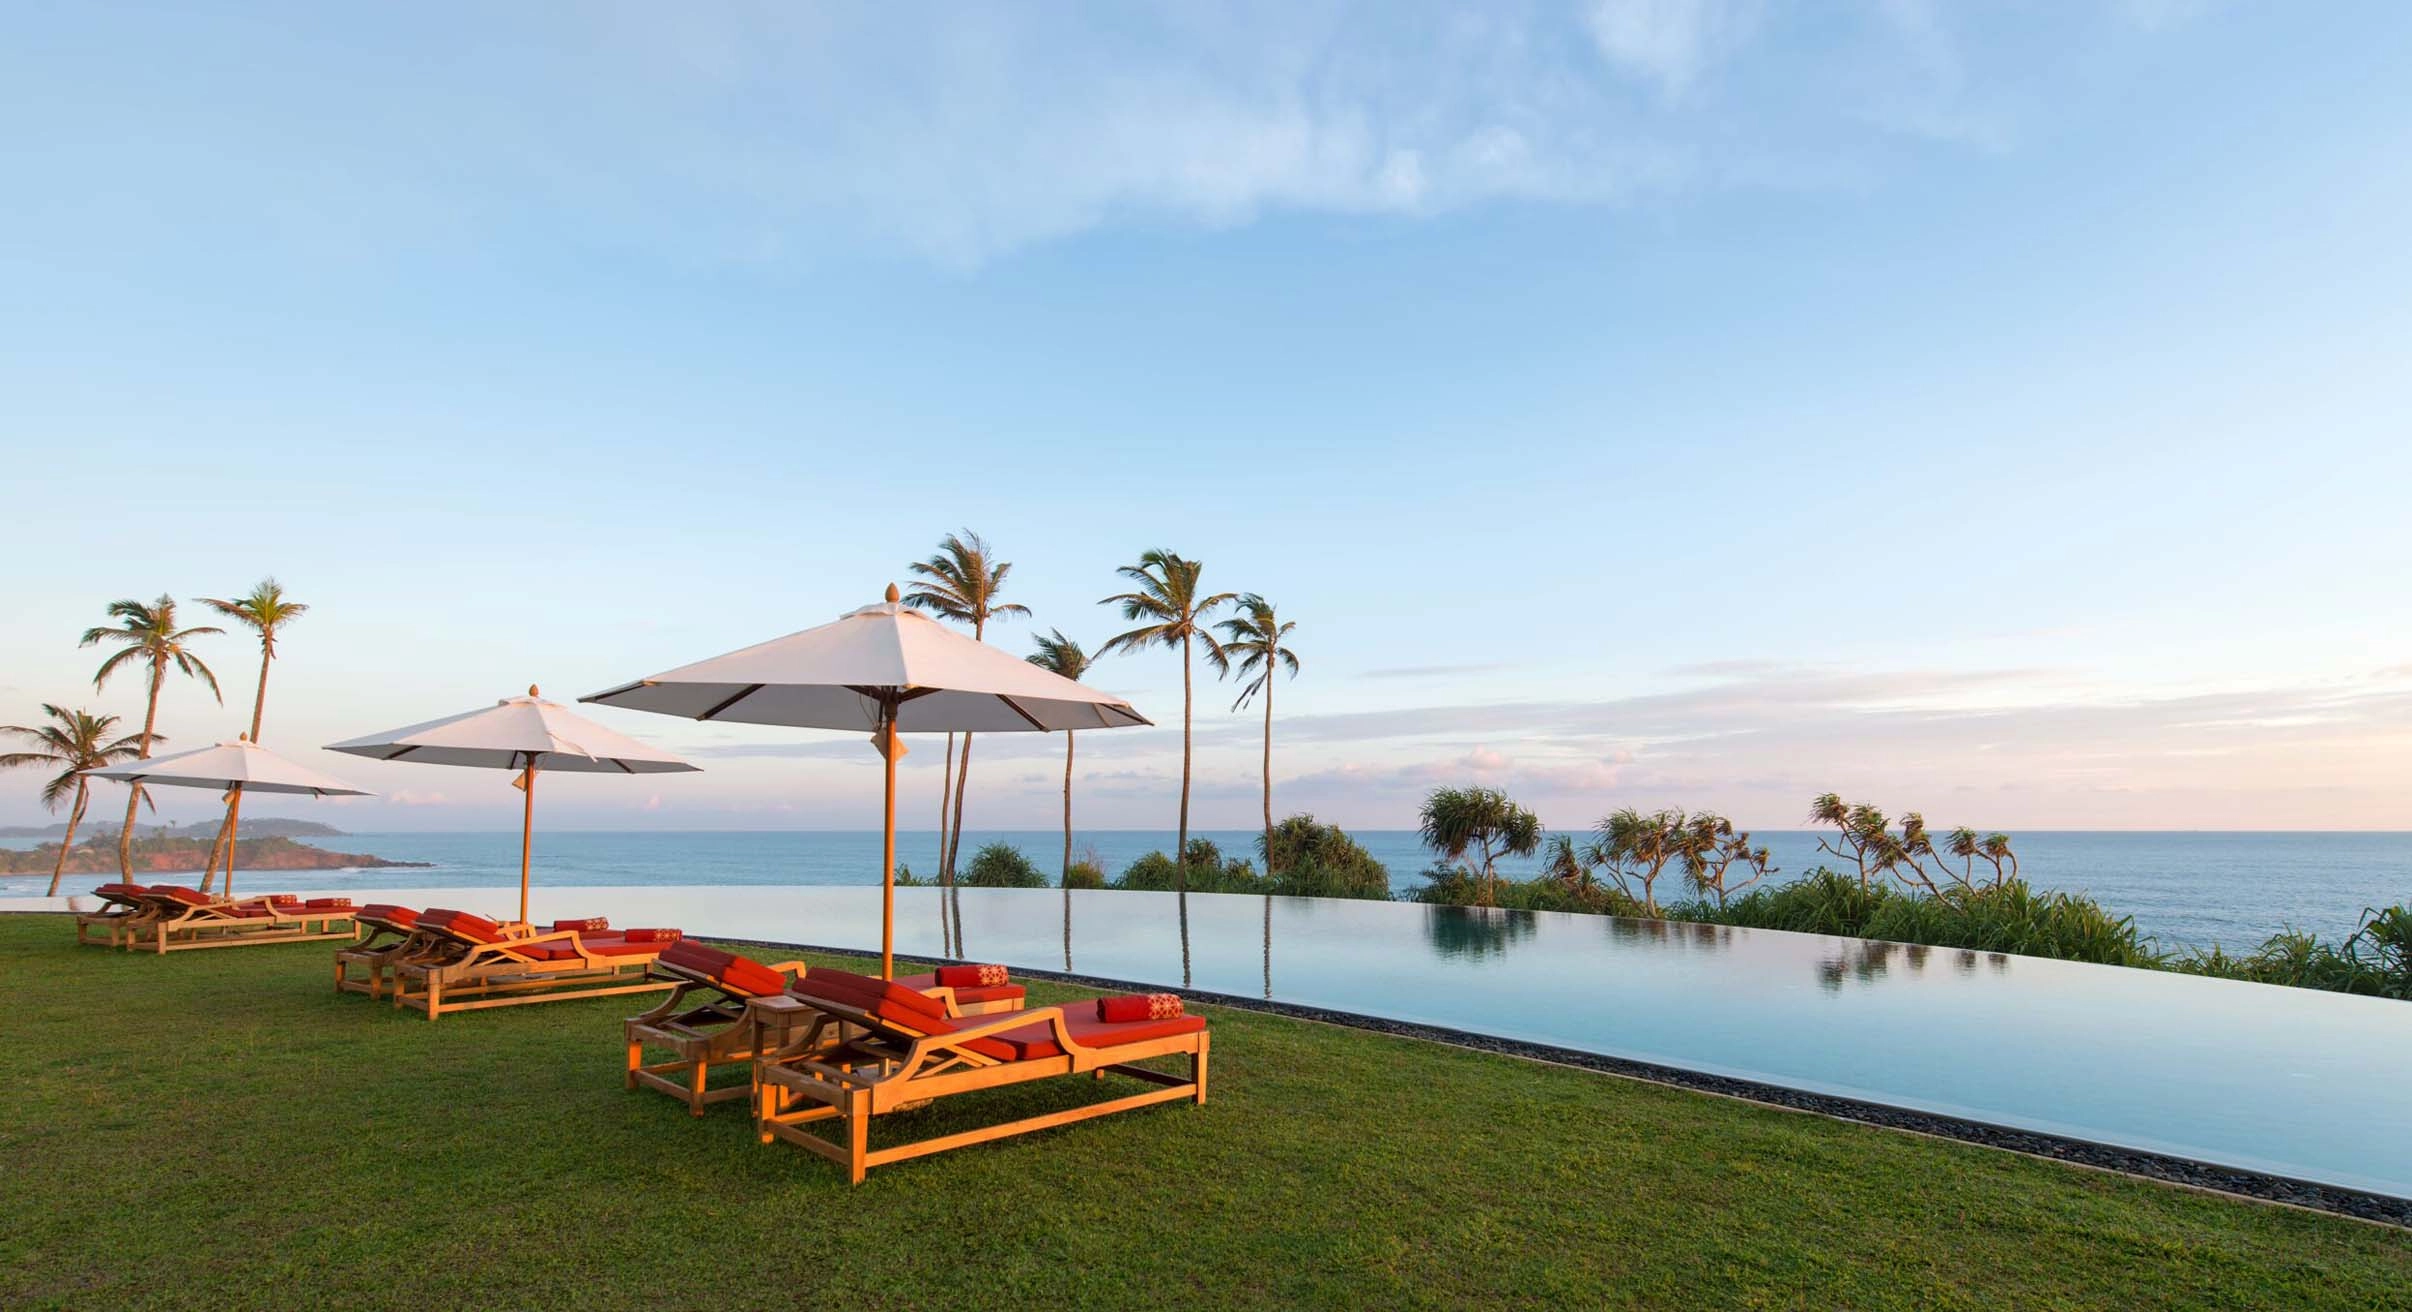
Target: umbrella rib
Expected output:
[749,690]
[1017,709]
[396,756]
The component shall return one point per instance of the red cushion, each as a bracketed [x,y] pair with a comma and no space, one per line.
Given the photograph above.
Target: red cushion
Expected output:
[652,935]
[283,900]
[612,945]
[106,890]
[694,960]
[329,904]
[1001,993]
[1037,1039]
[751,978]
[1139,1006]
[548,952]
[472,927]
[973,977]
[876,991]
[386,913]
[590,925]
[191,897]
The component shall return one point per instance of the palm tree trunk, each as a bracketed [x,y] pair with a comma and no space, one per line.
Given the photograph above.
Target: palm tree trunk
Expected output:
[1181,843]
[946,797]
[142,752]
[1067,875]
[954,842]
[221,848]
[1268,771]
[83,790]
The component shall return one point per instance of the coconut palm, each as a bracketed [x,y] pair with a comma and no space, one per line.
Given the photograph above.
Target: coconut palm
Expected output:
[1476,827]
[961,584]
[1167,599]
[1060,655]
[74,741]
[265,610]
[1252,649]
[148,636]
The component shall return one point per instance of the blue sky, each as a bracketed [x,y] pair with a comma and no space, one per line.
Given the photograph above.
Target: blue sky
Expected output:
[1997,411]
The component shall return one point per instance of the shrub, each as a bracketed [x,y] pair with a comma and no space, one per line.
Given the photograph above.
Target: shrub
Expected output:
[1207,872]
[1084,873]
[905,878]
[1306,859]
[1458,886]
[1002,865]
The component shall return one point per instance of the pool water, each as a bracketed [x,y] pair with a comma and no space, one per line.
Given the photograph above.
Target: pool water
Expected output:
[2292,1082]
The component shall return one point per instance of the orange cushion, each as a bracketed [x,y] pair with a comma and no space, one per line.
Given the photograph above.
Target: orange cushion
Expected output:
[386,913]
[752,979]
[473,927]
[1036,1040]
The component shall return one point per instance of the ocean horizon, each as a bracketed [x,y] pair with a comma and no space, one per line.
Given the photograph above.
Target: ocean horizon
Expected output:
[2185,888]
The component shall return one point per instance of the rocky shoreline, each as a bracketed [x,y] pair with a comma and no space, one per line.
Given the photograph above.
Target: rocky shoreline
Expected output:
[161,856]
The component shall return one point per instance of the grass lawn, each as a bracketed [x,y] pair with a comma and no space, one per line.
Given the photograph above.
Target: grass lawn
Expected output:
[222,1129]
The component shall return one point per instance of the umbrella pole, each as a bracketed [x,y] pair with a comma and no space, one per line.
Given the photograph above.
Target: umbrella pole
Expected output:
[887,848]
[234,820]
[527,830]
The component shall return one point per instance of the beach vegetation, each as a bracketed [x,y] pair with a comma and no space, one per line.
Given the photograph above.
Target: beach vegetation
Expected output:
[960,583]
[1062,657]
[1473,828]
[1253,649]
[147,636]
[1172,609]
[71,742]
[1306,858]
[1001,865]
[265,610]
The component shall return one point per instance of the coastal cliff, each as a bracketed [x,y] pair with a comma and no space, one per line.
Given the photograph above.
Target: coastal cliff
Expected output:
[176,855]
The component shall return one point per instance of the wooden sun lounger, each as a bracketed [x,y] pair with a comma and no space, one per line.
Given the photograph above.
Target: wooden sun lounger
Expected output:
[393,937]
[178,919]
[123,907]
[703,1023]
[492,966]
[895,1049]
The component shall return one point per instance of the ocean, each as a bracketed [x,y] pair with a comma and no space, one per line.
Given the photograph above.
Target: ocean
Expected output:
[2187,889]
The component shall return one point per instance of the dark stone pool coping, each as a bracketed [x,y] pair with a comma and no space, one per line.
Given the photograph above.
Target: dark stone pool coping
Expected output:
[2169,1168]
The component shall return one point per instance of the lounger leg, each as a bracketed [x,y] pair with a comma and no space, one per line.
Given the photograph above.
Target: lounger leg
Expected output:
[435,993]
[1197,1069]
[858,1134]
[636,1058]
[695,1087]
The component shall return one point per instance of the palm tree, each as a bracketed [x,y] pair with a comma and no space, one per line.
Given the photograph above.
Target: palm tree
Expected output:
[265,610]
[1638,847]
[1481,821]
[150,637]
[1060,655]
[1254,637]
[962,586]
[74,741]
[1167,597]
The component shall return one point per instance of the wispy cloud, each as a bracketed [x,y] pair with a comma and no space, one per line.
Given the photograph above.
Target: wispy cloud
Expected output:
[1670,42]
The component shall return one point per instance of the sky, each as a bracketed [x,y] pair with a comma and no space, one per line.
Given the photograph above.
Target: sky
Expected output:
[1996,411]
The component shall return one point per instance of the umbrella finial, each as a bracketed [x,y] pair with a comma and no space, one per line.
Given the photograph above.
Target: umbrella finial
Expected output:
[531,690]
[891,593]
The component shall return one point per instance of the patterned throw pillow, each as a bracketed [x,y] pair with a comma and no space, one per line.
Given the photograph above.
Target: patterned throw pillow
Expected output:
[1140,1006]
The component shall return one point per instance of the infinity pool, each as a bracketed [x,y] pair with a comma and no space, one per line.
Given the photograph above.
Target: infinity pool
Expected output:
[2316,1086]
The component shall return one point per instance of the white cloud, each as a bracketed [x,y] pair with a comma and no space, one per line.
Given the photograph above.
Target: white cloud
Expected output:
[1670,42]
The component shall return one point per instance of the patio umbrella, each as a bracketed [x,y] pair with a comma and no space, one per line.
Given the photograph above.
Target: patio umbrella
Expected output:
[527,734]
[881,670]
[239,767]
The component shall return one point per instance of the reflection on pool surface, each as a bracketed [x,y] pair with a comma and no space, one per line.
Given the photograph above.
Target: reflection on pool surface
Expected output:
[2292,1082]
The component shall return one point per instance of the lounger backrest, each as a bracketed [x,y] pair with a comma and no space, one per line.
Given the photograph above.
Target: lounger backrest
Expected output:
[910,1013]
[191,897]
[387,915]
[739,977]
[462,925]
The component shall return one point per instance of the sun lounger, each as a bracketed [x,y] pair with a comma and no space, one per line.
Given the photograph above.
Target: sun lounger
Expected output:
[176,918]
[122,907]
[485,963]
[703,1023]
[895,1049]
[393,935]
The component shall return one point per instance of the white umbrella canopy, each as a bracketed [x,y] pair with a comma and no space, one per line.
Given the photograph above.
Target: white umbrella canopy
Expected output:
[884,670]
[239,767]
[527,734]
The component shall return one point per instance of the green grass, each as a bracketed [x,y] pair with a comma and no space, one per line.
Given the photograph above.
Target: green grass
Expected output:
[221,1129]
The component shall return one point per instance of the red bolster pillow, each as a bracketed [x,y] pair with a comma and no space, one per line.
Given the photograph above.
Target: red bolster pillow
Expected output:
[1140,1006]
[970,977]
[590,925]
[329,904]
[284,899]
[651,935]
